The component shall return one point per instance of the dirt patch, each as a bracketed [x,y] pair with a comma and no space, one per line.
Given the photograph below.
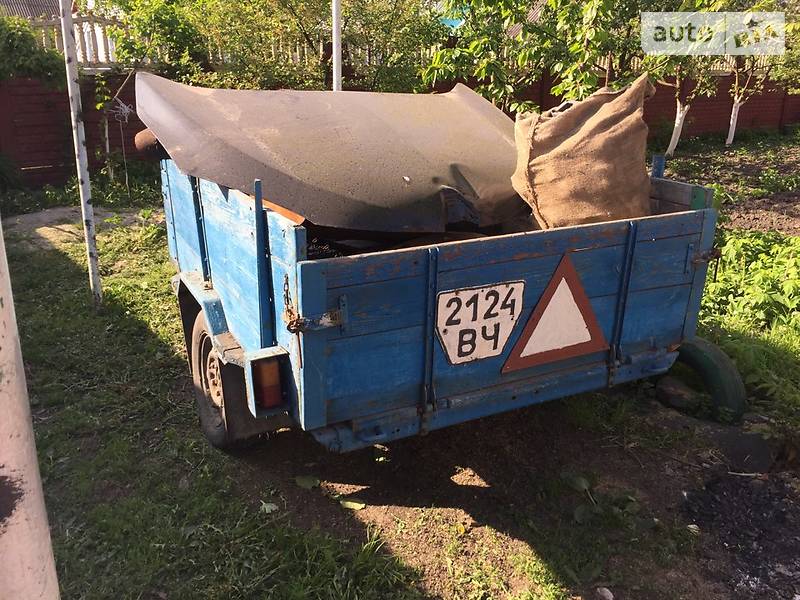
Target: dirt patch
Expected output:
[10,495]
[780,212]
[754,522]
[481,507]
[54,227]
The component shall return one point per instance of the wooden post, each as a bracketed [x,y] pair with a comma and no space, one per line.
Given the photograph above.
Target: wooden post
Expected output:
[336,29]
[27,569]
[81,37]
[95,57]
[79,143]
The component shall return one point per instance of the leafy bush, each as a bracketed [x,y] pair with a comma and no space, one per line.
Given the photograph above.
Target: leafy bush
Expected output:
[243,43]
[9,174]
[752,309]
[142,191]
[21,56]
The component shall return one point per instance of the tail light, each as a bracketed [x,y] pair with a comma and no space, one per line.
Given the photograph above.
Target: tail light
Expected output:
[267,383]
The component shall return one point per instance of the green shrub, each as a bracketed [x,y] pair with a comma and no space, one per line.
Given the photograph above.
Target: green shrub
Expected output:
[752,309]
[21,56]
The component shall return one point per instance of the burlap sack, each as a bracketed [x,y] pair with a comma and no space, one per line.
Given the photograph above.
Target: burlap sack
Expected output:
[586,163]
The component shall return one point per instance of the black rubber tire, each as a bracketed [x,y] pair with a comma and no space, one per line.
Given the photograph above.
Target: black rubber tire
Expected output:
[212,417]
[720,375]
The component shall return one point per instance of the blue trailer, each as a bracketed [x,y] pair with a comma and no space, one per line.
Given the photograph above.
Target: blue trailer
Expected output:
[372,347]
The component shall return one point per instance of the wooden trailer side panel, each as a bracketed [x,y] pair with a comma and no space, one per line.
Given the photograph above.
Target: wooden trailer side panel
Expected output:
[183,219]
[229,219]
[638,275]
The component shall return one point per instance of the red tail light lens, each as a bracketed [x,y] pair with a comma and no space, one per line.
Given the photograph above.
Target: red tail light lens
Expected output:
[267,383]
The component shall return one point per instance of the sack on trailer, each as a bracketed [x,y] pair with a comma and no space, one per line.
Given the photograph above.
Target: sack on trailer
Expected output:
[584,162]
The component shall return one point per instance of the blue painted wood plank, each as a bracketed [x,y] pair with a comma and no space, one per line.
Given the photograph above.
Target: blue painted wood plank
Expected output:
[371,268]
[312,296]
[232,252]
[374,373]
[187,243]
[168,216]
[286,243]
[671,225]
[598,269]
[700,272]
[381,306]
[654,318]
[531,245]
[662,262]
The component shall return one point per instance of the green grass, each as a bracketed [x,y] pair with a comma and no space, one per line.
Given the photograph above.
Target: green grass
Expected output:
[752,309]
[138,502]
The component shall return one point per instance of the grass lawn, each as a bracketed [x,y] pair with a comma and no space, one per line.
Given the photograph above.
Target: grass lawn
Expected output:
[140,505]
[548,502]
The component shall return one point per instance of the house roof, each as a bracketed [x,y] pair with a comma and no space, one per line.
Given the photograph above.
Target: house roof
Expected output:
[29,8]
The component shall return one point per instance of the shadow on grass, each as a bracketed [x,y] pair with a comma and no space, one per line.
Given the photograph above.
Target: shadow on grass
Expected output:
[770,367]
[519,474]
[139,505]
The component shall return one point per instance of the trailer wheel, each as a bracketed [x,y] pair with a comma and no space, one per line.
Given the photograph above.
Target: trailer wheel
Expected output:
[720,375]
[208,391]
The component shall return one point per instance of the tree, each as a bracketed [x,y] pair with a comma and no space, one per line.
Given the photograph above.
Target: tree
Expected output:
[265,44]
[690,77]
[159,32]
[505,46]
[752,73]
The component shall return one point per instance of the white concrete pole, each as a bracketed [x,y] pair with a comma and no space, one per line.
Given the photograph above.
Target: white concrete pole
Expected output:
[336,28]
[79,142]
[27,569]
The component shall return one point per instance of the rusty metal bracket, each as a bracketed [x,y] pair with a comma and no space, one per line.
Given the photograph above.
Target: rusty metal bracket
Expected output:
[706,256]
[297,323]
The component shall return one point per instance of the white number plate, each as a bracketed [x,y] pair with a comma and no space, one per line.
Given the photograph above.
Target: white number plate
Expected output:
[475,323]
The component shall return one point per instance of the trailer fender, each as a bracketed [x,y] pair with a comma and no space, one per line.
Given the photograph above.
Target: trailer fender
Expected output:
[195,295]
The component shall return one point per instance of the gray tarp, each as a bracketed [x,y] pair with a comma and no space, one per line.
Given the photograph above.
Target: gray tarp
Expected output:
[355,160]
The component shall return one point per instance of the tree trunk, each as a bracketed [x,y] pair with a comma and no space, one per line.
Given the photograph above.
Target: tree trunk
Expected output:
[737,104]
[680,116]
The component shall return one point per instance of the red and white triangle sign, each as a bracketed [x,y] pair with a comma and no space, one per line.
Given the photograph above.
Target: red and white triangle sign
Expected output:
[563,324]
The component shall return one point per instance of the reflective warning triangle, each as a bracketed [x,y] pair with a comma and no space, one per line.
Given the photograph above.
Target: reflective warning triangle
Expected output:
[562,325]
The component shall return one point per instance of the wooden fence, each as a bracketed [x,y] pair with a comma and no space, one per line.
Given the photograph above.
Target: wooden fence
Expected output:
[96,49]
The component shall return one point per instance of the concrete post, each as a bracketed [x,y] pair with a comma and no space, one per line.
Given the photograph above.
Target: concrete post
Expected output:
[27,568]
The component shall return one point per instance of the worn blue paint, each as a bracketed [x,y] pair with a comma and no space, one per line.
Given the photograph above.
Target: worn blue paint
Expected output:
[265,309]
[167,199]
[230,219]
[287,246]
[659,164]
[182,218]
[377,372]
[209,301]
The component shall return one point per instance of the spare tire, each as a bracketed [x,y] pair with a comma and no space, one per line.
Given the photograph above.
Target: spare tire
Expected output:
[720,375]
